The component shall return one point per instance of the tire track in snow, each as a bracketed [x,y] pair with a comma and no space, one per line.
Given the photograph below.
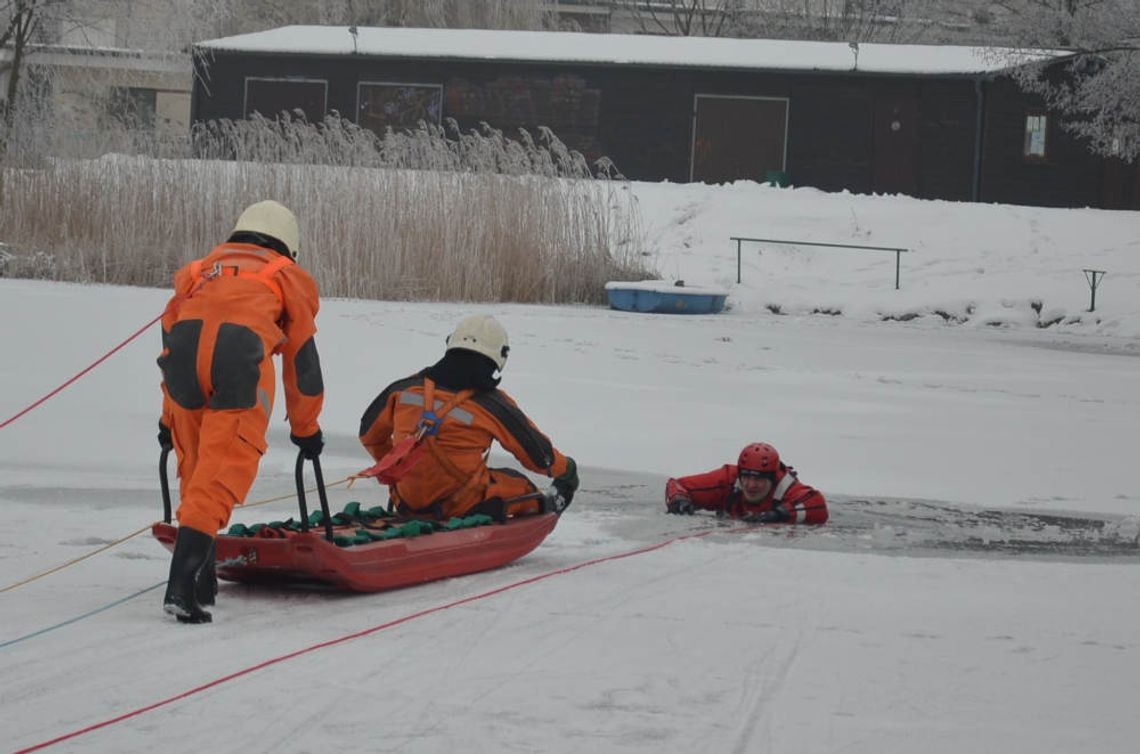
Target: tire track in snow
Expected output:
[771,671]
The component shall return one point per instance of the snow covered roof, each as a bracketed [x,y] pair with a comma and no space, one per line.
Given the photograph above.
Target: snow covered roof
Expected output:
[628,49]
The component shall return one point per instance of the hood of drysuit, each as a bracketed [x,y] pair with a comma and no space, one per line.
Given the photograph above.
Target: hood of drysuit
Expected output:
[460,369]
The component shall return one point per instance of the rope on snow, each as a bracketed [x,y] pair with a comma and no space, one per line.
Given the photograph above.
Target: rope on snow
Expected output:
[137,532]
[359,634]
[96,363]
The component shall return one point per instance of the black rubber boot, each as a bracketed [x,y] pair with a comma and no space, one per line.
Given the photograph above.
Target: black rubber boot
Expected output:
[206,587]
[191,549]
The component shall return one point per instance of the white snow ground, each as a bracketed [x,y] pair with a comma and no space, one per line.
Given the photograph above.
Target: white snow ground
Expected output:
[951,605]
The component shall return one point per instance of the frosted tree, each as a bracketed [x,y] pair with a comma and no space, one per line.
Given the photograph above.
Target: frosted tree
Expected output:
[842,20]
[454,14]
[463,14]
[20,24]
[25,25]
[187,21]
[687,18]
[1095,88]
[832,20]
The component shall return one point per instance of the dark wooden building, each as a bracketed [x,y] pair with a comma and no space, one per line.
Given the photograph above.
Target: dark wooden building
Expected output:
[930,122]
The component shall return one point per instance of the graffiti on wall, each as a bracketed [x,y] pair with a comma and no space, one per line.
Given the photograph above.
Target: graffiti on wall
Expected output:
[560,102]
[398,106]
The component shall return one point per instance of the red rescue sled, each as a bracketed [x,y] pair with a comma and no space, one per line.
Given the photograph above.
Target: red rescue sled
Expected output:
[308,557]
[311,557]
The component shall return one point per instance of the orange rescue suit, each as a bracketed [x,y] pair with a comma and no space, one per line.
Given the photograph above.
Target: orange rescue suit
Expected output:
[452,477]
[230,313]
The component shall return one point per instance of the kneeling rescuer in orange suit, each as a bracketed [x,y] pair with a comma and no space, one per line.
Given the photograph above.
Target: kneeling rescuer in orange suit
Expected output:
[231,312]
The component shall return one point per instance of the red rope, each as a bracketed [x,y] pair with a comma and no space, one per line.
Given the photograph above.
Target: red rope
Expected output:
[101,359]
[357,635]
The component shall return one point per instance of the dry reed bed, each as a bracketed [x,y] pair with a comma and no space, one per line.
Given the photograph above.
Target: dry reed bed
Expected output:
[375,233]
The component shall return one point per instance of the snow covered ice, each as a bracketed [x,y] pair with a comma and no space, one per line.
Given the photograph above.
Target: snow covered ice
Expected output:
[974,590]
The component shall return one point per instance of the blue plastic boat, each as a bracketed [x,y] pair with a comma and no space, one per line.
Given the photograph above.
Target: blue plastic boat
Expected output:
[664,297]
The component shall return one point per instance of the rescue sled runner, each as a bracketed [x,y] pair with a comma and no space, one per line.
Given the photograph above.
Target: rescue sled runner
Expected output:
[367,550]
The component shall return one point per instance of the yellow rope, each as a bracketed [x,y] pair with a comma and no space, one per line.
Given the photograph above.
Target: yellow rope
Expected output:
[137,532]
[74,561]
[293,494]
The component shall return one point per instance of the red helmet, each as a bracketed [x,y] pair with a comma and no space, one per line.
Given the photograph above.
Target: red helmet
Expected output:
[759,458]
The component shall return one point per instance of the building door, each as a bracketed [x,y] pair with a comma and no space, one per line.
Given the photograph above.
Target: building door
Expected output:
[1120,185]
[895,162]
[738,137]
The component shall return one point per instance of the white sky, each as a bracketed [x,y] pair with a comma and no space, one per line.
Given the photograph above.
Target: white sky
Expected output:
[901,625]
[631,49]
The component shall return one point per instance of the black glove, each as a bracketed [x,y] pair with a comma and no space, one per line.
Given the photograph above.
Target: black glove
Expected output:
[310,446]
[682,506]
[567,484]
[774,516]
[165,441]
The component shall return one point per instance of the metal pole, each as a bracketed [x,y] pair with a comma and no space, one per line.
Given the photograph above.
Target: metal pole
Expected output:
[299,478]
[1093,277]
[898,252]
[165,481]
[323,495]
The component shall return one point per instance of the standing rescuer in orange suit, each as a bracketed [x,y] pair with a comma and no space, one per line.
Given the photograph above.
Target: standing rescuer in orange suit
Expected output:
[231,312]
[450,476]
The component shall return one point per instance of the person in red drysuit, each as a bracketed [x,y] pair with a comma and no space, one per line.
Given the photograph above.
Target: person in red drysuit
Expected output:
[758,489]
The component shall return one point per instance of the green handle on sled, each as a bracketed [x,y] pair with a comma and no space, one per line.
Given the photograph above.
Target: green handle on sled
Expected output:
[162,478]
[300,477]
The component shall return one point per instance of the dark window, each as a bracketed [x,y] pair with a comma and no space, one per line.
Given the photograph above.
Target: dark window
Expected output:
[133,107]
[1036,132]
[1121,145]
[397,106]
[271,97]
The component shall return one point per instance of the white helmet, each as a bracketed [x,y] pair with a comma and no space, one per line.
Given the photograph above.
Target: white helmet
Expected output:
[483,334]
[271,219]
